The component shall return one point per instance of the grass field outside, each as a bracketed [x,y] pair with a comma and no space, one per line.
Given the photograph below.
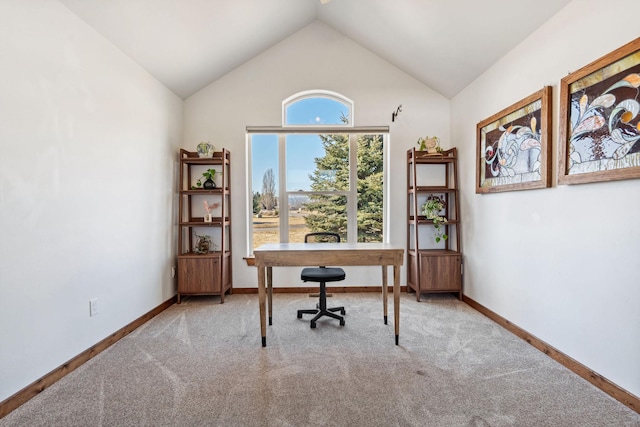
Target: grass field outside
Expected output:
[266,229]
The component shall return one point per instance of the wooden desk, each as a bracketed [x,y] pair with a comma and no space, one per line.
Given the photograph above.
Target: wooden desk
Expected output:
[330,254]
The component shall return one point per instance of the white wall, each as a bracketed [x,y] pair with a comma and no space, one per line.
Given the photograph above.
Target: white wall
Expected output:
[88,147]
[561,263]
[316,57]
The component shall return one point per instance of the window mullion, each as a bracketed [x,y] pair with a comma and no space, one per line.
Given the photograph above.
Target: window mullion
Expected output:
[283,200]
[352,199]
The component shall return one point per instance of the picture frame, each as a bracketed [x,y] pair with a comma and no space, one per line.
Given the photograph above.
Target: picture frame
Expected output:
[513,146]
[599,135]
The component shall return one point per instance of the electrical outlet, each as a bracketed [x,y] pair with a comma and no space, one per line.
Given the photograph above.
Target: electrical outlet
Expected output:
[93,307]
[173,271]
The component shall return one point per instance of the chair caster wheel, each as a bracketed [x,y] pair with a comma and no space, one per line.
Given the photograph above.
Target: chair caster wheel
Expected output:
[341,322]
[343,312]
[299,315]
[313,325]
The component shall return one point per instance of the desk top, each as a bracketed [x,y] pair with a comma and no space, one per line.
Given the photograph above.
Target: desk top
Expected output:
[344,254]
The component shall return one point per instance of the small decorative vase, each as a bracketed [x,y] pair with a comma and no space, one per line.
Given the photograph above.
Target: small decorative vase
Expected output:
[205,149]
[209,184]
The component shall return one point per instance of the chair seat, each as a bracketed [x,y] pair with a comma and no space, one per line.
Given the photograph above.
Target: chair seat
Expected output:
[316,274]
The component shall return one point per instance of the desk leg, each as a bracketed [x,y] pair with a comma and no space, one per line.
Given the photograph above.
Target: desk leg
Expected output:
[270,291]
[396,300]
[384,292]
[261,302]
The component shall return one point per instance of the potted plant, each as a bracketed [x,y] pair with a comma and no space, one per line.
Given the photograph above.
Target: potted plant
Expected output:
[204,244]
[206,181]
[204,149]
[430,144]
[431,210]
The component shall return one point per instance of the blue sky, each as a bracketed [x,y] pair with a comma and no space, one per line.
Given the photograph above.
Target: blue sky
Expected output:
[301,149]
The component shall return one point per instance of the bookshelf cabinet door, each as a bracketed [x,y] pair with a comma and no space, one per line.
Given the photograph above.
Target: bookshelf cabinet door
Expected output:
[199,274]
[441,273]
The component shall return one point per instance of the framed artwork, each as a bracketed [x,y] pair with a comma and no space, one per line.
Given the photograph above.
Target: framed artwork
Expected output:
[513,146]
[599,120]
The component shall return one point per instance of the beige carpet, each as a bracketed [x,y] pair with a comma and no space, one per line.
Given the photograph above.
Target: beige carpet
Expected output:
[201,364]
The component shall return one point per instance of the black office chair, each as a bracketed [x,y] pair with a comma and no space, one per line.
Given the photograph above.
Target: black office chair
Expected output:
[323,275]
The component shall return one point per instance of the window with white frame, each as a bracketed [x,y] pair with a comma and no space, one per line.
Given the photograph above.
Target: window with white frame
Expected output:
[316,173]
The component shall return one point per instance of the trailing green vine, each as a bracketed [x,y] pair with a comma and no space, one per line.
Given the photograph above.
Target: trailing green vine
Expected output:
[431,210]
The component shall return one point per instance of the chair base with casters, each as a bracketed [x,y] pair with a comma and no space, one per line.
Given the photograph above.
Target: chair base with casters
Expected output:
[323,275]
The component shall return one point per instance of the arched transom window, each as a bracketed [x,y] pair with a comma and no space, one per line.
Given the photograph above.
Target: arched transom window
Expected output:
[317,108]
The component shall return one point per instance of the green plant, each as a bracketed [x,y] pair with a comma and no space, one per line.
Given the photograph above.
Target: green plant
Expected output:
[431,210]
[204,244]
[430,144]
[208,174]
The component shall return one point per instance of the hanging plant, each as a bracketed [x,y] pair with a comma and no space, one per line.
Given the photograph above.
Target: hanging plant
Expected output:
[431,210]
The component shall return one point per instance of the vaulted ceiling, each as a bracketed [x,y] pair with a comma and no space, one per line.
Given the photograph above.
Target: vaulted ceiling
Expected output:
[187,44]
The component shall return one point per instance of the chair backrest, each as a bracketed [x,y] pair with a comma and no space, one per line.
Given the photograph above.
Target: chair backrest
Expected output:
[321,237]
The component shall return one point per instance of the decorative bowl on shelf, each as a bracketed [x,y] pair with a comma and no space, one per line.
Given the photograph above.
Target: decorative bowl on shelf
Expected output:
[204,149]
